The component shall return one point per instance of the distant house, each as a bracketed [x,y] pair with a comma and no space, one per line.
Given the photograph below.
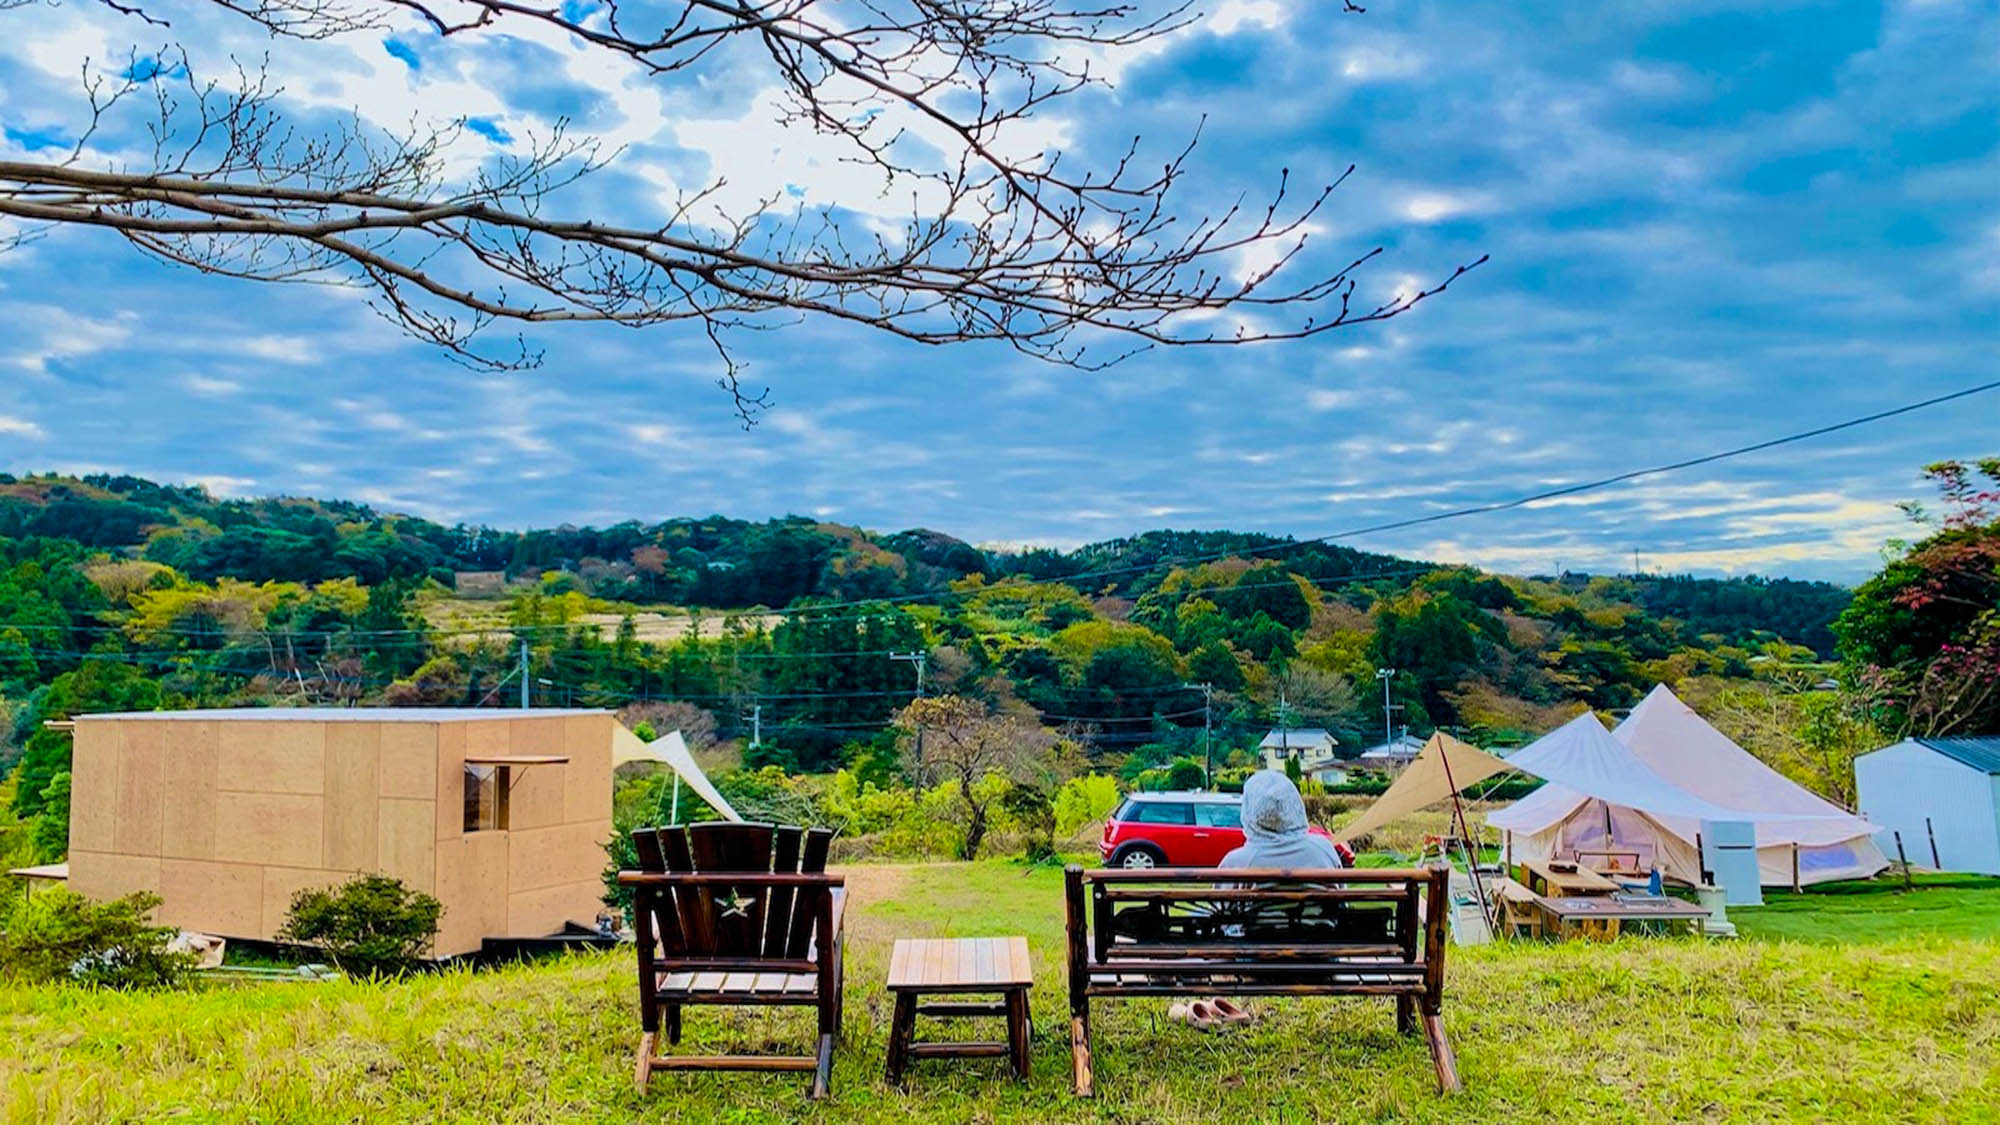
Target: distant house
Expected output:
[1312,746]
[1391,756]
[1942,795]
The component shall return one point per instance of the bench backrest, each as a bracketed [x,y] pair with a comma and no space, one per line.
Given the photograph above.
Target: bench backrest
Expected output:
[716,918]
[1127,919]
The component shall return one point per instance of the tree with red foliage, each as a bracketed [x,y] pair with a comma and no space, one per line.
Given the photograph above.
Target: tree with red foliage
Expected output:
[1923,637]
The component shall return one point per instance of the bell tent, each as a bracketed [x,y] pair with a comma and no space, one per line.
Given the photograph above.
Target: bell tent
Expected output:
[1681,746]
[1608,797]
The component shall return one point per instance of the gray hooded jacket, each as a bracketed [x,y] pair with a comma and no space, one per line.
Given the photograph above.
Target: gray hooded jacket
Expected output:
[1274,828]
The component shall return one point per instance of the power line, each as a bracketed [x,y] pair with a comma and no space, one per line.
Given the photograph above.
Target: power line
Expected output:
[1504,505]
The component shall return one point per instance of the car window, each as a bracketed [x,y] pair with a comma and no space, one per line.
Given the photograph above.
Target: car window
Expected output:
[1219,816]
[1158,812]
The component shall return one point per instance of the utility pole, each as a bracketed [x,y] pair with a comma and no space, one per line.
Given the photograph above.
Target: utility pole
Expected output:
[922,661]
[1284,724]
[757,725]
[524,675]
[1207,749]
[1388,723]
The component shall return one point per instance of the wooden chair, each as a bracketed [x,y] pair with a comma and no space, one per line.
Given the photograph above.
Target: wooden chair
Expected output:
[736,914]
[1349,932]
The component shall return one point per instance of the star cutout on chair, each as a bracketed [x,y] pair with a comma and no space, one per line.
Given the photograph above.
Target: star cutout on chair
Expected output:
[737,905]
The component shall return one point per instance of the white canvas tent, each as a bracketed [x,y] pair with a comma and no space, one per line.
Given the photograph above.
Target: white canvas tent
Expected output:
[671,749]
[1603,796]
[1682,747]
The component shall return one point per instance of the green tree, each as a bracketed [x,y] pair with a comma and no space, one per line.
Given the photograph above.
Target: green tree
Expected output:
[99,684]
[50,828]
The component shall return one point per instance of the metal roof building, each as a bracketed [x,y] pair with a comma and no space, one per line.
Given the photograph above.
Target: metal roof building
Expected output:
[1941,795]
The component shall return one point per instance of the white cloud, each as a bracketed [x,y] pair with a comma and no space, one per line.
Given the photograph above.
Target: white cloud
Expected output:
[280,349]
[209,385]
[47,334]
[224,486]
[1433,206]
[21,428]
[1323,399]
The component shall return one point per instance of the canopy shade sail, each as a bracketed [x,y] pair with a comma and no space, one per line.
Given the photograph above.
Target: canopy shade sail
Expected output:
[673,751]
[1444,766]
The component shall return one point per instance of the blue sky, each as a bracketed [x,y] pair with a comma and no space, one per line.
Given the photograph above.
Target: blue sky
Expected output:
[1708,225]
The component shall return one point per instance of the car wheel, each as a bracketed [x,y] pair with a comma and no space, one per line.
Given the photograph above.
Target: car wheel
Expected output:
[1139,857]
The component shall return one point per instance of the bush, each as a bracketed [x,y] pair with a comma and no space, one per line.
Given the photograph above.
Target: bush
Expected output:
[1084,800]
[1035,815]
[371,925]
[58,934]
[1185,773]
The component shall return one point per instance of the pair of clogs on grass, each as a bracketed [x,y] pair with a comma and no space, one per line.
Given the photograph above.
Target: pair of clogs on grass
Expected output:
[1212,1014]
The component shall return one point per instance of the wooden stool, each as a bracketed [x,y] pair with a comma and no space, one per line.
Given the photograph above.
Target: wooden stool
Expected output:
[958,966]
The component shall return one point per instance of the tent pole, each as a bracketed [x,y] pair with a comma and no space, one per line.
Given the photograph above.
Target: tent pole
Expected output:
[1472,851]
[676,816]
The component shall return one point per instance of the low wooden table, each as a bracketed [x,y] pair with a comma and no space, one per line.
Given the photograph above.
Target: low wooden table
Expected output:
[1542,879]
[920,967]
[1602,916]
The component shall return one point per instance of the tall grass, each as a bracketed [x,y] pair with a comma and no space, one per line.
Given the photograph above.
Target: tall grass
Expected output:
[1658,1029]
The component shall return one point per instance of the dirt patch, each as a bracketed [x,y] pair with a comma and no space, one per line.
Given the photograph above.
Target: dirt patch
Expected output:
[874,883]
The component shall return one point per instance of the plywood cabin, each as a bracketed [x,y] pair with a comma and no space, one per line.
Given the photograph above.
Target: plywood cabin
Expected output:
[226,814]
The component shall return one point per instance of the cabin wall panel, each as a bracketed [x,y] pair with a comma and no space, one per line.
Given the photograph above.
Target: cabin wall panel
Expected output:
[409,760]
[142,763]
[187,823]
[93,787]
[273,756]
[353,759]
[407,842]
[271,829]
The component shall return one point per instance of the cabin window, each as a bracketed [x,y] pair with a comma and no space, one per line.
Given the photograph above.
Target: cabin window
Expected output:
[485,798]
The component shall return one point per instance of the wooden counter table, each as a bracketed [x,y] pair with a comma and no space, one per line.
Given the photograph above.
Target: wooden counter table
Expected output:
[1583,882]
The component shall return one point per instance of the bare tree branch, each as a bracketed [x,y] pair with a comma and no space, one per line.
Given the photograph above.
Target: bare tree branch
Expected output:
[1001,245]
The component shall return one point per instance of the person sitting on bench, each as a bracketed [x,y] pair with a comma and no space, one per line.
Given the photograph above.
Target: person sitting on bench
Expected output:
[1274,828]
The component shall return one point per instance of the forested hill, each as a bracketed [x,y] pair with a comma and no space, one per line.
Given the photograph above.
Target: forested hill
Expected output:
[726,563]
[118,593]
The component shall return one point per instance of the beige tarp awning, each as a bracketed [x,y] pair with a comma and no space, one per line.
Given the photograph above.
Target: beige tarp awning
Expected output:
[1444,766]
[672,750]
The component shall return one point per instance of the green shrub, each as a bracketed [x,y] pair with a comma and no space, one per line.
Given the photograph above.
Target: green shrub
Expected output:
[369,926]
[58,934]
[1034,814]
[1083,800]
[1185,773]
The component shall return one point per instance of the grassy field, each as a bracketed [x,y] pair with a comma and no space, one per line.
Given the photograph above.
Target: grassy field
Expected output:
[1946,906]
[1892,1029]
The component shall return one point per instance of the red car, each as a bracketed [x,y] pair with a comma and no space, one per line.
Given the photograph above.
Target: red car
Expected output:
[1188,829]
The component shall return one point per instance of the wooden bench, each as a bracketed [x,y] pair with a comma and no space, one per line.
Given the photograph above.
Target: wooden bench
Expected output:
[735,914]
[1520,908]
[1349,932]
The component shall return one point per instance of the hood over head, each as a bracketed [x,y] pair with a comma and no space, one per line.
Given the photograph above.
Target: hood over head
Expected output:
[1272,808]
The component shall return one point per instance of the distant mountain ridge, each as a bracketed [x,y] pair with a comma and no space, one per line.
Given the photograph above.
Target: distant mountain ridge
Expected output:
[724,563]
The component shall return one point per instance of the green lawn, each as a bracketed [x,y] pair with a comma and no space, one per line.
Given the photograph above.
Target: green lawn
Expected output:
[1946,906]
[1897,1029]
